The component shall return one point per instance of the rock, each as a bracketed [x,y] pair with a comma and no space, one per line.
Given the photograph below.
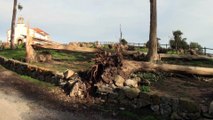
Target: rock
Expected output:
[144,100]
[175,104]
[204,109]
[155,108]
[119,81]
[131,83]
[165,110]
[104,89]
[131,92]
[121,95]
[155,99]
[74,89]
[145,82]
[44,56]
[211,108]
[48,58]
[41,58]
[125,102]
[192,52]
[175,116]
[138,79]
[68,74]
[188,106]
[122,108]
[193,116]
[114,113]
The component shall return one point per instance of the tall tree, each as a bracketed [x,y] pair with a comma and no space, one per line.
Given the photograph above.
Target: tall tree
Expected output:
[12,35]
[178,42]
[152,52]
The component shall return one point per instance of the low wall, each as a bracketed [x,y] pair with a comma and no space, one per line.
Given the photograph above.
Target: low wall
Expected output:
[169,107]
[31,70]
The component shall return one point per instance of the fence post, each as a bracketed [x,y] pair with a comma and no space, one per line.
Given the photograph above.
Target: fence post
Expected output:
[205,50]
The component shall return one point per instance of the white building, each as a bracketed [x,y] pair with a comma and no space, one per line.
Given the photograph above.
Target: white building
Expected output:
[21,32]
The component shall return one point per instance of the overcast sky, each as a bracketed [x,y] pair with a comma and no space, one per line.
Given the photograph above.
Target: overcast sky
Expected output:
[99,20]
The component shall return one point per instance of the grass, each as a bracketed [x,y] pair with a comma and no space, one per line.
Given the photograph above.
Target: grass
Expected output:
[145,89]
[199,63]
[152,77]
[141,49]
[37,82]
[69,55]
[18,54]
[58,55]
[63,60]
[173,52]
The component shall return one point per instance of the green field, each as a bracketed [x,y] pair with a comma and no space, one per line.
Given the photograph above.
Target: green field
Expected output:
[62,60]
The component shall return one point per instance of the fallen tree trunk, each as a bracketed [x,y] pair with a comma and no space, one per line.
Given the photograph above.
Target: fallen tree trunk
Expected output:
[134,66]
[63,47]
[187,57]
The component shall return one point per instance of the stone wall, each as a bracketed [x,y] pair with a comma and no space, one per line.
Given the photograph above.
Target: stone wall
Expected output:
[166,106]
[31,70]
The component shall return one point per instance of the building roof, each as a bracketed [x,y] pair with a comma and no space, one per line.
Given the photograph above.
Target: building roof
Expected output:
[40,31]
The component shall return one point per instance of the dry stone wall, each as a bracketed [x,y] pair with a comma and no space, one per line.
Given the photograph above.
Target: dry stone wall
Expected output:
[33,71]
[168,107]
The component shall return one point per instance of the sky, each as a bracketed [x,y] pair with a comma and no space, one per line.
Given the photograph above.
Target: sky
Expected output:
[99,20]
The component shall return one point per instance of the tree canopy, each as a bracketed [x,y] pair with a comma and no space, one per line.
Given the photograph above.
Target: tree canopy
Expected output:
[177,42]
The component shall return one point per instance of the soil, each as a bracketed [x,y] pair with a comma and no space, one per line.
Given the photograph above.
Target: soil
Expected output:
[195,88]
[22,100]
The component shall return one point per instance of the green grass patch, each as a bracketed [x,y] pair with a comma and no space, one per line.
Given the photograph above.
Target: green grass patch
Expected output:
[17,54]
[152,77]
[64,60]
[173,52]
[37,82]
[198,63]
[70,55]
[145,89]
[141,49]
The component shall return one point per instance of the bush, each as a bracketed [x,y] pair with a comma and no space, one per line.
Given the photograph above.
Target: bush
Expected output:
[178,42]
[123,42]
[22,45]
[196,46]
[132,48]
[162,50]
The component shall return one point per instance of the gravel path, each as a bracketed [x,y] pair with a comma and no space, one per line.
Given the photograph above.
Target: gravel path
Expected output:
[15,107]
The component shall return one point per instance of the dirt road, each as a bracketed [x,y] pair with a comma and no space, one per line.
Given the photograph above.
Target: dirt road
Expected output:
[20,100]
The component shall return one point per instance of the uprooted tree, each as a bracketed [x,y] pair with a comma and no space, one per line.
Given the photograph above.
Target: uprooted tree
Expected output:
[107,66]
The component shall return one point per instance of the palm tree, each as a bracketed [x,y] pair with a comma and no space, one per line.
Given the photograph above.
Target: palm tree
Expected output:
[152,52]
[12,45]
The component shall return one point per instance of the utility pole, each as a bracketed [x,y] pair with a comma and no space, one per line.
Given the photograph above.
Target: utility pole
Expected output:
[121,34]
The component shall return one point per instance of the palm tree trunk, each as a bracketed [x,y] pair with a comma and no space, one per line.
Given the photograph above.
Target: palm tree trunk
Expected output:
[152,52]
[12,35]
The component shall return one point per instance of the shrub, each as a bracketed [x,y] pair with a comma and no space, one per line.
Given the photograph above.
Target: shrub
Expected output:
[123,42]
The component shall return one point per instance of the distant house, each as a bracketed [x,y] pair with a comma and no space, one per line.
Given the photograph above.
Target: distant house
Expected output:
[21,32]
